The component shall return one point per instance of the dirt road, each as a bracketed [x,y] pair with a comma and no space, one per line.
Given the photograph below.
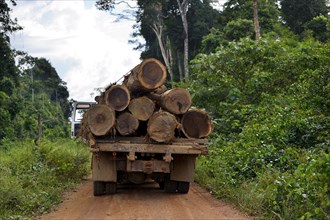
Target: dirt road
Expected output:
[145,201]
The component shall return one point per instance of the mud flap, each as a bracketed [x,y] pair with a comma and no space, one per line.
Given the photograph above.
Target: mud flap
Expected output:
[183,168]
[104,167]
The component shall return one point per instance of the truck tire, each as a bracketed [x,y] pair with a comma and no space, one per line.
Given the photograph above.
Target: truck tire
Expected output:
[110,188]
[183,187]
[170,186]
[99,188]
[161,184]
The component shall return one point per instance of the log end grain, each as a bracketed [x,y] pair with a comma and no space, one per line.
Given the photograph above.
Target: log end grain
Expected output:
[117,97]
[100,119]
[126,124]
[176,101]
[151,74]
[161,127]
[141,108]
[196,124]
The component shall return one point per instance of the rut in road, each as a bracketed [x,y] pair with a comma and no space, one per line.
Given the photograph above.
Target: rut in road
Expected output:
[145,201]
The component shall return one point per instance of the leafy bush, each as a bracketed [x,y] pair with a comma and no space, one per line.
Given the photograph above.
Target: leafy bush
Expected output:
[32,177]
[270,104]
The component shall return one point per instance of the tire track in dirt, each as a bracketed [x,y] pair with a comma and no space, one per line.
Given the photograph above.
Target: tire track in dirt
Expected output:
[144,201]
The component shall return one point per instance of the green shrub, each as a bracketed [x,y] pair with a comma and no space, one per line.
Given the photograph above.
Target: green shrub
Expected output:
[269,153]
[32,177]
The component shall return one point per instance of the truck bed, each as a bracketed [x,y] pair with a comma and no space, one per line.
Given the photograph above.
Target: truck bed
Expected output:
[134,145]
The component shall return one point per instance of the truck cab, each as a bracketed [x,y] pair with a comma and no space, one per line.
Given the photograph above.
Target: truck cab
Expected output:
[78,110]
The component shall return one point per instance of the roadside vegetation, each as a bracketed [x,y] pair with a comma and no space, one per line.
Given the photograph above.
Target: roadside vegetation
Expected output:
[34,177]
[269,154]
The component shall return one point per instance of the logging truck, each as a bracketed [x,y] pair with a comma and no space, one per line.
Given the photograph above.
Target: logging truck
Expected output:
[140,130]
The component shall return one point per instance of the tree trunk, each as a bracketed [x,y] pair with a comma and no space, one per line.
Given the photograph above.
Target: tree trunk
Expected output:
[256,19]
[183,8]
[178,58]
[147,76]
[161,127]
[176,101]
[101,119]
[126,123]
[142,108]
[117,97]
[166,52]
[196,124]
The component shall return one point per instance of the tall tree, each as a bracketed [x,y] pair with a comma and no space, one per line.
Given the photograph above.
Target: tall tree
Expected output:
[267,11]
[296,13]
[183,8]
[46,80]
[7,24]
[165,26]
[153,18]
[256,19]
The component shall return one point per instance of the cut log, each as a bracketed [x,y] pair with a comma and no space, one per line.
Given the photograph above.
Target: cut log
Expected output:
[142,108]
[147,76]
[117,97]
[100,119]
[196,124]
[161,126]
[126,124]
[160,90]
[176,101]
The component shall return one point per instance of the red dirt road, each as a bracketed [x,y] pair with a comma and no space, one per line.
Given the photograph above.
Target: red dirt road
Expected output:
[145,201]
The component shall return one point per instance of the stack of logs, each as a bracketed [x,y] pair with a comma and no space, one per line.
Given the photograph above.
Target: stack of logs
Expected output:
[143,106]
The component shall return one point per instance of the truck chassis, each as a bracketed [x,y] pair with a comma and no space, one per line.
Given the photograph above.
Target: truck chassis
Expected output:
[131,159]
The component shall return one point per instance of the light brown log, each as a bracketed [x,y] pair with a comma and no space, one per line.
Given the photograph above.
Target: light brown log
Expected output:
[176,101]
[161,126]
[141,108]
[117,97]
[126,124]
[147,76]
[196,124]
[100,119]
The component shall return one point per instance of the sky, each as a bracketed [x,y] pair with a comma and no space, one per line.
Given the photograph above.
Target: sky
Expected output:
[86,46]
[88,49]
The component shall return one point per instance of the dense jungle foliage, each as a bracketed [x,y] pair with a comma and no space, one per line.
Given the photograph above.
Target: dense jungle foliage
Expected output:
[270,101]
[33,177]
[34,106]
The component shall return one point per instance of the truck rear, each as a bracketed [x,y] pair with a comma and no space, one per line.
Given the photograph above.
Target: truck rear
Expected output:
[131,159]
[141,130]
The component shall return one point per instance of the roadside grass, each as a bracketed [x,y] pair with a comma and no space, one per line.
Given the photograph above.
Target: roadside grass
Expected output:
[273,194]
[33,178]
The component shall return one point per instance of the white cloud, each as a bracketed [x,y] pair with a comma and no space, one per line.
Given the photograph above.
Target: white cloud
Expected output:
[86,48]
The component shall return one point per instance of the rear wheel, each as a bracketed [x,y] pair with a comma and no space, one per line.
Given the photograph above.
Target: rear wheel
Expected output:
[110,188]
[170,186]
[99,188]
[161,184]
[183,187]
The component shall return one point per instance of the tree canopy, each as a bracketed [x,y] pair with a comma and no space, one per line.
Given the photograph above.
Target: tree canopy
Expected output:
[28,91]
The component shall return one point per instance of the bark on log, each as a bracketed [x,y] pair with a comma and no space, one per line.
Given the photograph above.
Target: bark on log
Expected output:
[161,126]
[117,97]
[160,90]
[100,119]
[147,76]
[126,124]
[196,124]
[142,108]
[176,101]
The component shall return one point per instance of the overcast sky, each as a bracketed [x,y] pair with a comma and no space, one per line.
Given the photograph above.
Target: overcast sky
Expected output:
[87,48]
